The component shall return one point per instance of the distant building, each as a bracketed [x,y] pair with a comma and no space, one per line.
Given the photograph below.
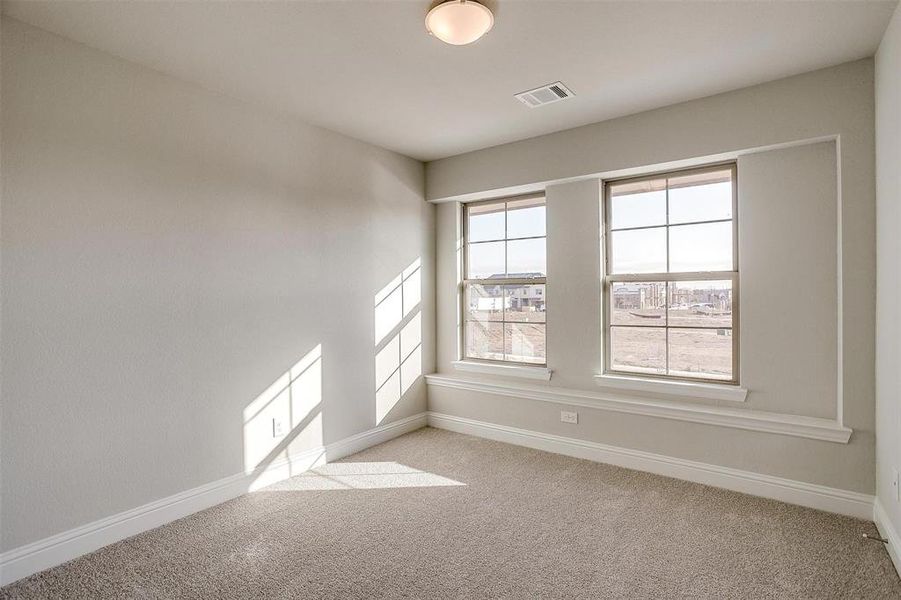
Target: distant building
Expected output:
[640,296]
[522,296]
[718,299]
[645,296]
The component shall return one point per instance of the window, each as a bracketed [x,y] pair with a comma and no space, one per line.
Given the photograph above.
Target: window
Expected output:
[505,269]
[671,281]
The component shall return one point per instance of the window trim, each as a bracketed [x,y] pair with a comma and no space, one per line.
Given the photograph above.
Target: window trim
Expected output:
[607,279]
[708,390]
[507,369]
[464,281]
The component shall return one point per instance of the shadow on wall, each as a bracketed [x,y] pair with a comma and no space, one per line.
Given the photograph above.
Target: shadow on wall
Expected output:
[285,418]
[398,339]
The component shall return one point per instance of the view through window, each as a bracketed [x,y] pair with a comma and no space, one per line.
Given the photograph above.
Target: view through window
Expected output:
[505,267]
[671,277]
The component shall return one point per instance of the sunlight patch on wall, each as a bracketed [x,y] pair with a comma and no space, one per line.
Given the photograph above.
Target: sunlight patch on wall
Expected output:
[362,476]
[285,418]
[398,335]
[412,288]
[388,308]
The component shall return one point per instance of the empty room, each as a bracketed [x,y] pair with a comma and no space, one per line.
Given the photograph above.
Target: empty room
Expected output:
[357,299]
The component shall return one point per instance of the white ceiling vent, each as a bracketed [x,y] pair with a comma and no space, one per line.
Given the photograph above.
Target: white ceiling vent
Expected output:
[546,94]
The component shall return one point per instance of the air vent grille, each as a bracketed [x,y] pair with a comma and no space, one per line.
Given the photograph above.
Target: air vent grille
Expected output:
[546,94]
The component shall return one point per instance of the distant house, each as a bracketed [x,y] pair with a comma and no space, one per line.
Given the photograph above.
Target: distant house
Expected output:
[519,296]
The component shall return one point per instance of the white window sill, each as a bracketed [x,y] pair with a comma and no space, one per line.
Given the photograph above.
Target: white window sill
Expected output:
[690,389]
[522,371]
[814,428]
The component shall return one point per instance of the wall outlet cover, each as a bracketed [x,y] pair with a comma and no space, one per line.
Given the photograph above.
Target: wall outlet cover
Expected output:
[897,485]
[569,417]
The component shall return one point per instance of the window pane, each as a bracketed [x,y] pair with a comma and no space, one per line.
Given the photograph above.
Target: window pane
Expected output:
[700,303]
[524,303]
[638,349]
[638,251]
[486,260]
[706,247]
[484,302]
[642,304]
[524,342]
[705,353]
[700,197]
[486,222]
[485,340]
[526,218]
[506,239]
[639,204]
[526,258]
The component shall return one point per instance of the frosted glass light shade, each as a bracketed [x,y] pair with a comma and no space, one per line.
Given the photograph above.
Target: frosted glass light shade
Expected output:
[459,22]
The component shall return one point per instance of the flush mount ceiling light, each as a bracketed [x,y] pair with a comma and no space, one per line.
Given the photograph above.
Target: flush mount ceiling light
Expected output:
[459,22]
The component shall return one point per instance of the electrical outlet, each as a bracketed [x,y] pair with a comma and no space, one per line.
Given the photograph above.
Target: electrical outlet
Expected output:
[569,417]
[278,427]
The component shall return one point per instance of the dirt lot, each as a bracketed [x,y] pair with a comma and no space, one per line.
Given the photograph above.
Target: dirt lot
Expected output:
[683,317]
[692,353]
[641,349]
[521,342]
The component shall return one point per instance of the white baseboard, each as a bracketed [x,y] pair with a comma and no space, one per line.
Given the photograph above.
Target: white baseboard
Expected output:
[37,556]
[375,436]
[888,531]
[811,495]
[48,552]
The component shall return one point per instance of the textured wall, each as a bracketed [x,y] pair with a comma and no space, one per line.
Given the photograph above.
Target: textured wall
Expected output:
[169,255]
[888,299]
[806,232]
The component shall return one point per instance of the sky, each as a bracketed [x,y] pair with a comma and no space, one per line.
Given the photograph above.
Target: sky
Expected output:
[695,247]
[523,255]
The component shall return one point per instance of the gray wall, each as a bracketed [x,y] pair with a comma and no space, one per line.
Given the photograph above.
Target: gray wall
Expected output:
[888,299]
[804,147]
[168,254]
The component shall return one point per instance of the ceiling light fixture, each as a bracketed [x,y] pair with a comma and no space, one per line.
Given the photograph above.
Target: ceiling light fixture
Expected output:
[459,22]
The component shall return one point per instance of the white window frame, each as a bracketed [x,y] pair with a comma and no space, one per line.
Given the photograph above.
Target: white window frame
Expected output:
[609,279]
[467,362]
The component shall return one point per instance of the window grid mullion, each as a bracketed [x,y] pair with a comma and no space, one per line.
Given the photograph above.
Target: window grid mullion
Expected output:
[505,281]
[539,237]
[504,287]
[678,276]
[666,324]
[640,227]
[666,288]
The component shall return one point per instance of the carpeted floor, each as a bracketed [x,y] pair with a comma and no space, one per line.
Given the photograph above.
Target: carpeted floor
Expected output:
[435,514]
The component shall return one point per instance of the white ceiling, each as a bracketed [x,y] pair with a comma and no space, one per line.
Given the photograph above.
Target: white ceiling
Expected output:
[369,70]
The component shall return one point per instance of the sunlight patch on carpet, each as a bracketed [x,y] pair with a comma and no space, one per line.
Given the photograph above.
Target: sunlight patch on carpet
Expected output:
[361,476]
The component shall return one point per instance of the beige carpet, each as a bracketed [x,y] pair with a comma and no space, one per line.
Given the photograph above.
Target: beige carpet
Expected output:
[435,514]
